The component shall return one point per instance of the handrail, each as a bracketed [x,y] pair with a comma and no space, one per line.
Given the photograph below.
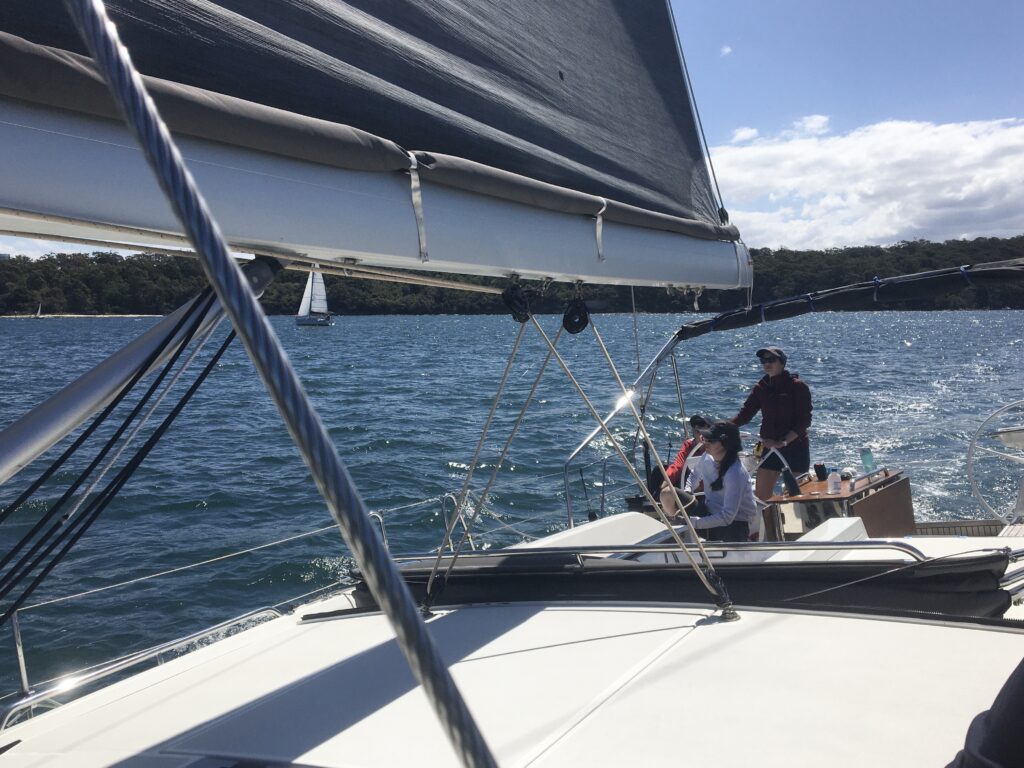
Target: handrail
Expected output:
[76,680]
[376,515]
[899,546]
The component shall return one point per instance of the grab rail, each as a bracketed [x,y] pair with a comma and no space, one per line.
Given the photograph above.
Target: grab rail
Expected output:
[78,679]
[780,546]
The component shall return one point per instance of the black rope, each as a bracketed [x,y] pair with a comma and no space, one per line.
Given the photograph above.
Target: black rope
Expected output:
[35,486]
[83,522]
[204,306]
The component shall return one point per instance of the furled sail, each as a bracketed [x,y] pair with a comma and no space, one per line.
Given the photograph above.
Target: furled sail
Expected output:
[546,139]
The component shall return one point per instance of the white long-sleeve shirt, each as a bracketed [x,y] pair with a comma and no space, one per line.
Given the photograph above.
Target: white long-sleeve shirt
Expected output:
[735,501]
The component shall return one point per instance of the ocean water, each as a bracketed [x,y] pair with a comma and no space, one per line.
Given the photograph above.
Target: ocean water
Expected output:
[405,398]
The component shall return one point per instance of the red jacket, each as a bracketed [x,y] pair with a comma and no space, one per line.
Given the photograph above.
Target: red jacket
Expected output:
[784,403]
[675,469]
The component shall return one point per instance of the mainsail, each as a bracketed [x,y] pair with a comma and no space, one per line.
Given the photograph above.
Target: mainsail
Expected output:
[314,297]
[550,140]
[318,299]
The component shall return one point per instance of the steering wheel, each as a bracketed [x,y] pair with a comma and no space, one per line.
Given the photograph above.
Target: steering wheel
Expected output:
[1012,438]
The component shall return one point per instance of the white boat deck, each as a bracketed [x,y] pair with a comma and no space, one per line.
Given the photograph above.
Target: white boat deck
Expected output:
[550,686]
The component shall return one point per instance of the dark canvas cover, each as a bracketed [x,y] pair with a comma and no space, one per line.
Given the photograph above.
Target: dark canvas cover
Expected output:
[588,95]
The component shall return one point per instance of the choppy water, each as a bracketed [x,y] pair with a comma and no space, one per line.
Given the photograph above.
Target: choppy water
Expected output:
[405,398]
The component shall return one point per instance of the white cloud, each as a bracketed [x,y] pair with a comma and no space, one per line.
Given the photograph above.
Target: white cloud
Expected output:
[879,184]
[809,125]
[744,134]
[726,50]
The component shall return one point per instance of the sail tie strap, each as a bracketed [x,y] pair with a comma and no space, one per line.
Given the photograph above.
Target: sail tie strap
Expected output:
[416,193]
[967,276]
[810,301]
[330,474]
[599,229]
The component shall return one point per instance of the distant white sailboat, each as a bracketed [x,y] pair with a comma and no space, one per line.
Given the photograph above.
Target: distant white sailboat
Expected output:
[313,309]
[39,312]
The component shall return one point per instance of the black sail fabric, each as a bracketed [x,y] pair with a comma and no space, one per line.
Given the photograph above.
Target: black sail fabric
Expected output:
[588,95]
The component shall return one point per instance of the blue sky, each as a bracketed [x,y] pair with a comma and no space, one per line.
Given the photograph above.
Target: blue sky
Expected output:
[849,122]
[859,62]
[838,123]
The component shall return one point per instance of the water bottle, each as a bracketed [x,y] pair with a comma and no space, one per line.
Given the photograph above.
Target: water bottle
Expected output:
[867,459]
[835,482]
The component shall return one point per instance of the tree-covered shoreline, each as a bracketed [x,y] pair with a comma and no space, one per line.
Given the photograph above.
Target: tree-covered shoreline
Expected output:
[107,283]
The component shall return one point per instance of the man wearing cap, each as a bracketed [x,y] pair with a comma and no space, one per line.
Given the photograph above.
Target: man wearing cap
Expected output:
[677,471]
[785,405]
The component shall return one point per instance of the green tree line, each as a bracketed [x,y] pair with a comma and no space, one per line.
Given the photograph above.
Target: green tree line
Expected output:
[107,283]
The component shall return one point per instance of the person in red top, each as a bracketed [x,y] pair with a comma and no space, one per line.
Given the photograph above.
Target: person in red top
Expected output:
[677,471]
[785,405]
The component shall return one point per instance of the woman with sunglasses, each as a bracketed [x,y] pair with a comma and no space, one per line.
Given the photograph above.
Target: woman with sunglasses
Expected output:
[729,508]
[785,405]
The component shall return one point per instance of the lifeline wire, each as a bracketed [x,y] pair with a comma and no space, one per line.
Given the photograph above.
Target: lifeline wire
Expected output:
[725,603]
[618,449]
[331,475]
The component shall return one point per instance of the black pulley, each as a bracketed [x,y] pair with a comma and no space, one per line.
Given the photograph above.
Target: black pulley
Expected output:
[576,316]
[515,299]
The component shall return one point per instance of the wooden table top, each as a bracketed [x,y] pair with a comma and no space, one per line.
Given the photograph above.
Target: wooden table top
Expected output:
[817,490]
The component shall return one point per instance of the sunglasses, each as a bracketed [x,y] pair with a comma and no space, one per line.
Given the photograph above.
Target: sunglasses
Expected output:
[769,360]
[710,439]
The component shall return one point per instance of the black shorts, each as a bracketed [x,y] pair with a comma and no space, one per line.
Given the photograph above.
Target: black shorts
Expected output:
[798,456]
[737,530]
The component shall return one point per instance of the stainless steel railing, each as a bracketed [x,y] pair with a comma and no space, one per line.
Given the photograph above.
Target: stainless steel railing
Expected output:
[741,546]
[30,699]
[69,683]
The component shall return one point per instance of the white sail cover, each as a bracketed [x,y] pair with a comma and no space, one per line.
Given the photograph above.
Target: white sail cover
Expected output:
[568,119]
